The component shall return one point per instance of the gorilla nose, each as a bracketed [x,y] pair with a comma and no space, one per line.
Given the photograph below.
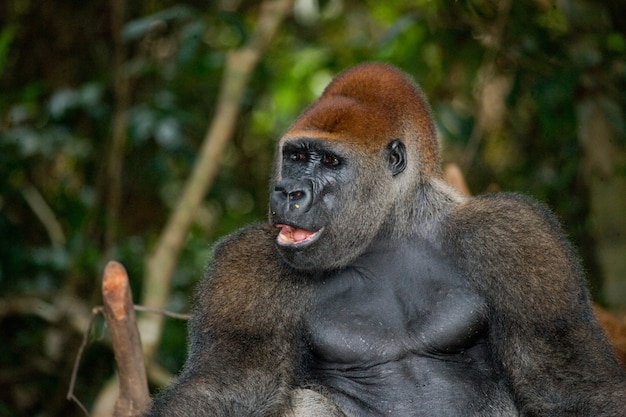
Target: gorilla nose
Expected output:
[292,196]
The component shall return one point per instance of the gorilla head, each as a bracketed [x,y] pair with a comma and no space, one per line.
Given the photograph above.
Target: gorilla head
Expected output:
[349,168]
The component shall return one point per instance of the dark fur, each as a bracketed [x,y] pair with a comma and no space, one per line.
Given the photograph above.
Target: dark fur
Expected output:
[244,334]
[543,330]
[414,301]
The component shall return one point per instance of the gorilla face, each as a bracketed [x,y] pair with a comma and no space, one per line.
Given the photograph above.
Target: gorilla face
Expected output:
[337,173]
[305,199]
[327,203]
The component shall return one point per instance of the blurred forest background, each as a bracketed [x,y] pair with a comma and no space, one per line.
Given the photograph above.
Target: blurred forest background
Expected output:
[112,112]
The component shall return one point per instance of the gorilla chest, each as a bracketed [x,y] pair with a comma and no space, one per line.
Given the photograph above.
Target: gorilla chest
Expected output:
[391,306]
[400,333]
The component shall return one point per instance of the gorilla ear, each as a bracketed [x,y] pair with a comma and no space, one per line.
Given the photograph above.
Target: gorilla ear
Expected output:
[396,157]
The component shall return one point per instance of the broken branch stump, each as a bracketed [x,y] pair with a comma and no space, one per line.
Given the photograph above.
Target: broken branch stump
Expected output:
[119,312]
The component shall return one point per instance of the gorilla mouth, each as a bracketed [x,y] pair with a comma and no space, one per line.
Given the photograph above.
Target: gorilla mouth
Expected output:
[293,236]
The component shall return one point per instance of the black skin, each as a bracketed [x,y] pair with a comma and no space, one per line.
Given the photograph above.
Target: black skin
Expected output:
[405,300]
[381,349]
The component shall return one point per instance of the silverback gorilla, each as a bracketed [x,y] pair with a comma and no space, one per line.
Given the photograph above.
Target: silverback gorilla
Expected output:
[377,290]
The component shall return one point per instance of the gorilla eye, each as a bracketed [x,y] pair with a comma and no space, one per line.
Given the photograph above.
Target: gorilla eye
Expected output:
[330,160]
[297,156]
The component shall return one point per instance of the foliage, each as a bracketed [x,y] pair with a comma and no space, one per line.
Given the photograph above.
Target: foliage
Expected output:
[507,82]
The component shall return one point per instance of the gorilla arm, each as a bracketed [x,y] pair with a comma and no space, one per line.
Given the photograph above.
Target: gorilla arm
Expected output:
[542,327]
[244,337]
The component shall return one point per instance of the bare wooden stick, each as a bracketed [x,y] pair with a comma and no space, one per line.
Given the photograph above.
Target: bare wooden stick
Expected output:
[30,306]
[454,177]
[160,264]
[115,158]
[166,313]
[120,316]
[70,392]
[45,214]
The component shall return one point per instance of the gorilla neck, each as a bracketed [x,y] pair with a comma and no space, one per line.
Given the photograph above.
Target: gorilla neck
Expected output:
[422,211]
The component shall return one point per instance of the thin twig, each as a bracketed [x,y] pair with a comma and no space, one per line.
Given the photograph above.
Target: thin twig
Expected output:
[485,73]
[94,314]
[45,214]
[115,159]
[166,313]
[70,393]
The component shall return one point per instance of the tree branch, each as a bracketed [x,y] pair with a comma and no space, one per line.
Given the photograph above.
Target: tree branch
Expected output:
[120,316]
[111,390]
[45,214]
[70,392]
[115,158]
[161,263]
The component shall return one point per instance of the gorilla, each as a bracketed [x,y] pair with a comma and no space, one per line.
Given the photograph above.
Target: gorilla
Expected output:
[376,289]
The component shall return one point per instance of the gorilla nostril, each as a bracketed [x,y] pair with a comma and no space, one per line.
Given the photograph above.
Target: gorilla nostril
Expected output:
[296,195]
[290,195]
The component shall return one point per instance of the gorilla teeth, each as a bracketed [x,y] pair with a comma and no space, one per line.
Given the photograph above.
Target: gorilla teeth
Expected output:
[290,235]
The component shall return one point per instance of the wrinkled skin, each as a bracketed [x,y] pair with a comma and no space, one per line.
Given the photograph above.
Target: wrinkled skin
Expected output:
[315,203]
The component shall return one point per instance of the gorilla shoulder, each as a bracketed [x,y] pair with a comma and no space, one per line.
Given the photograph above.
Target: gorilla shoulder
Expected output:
[245,277]
[519,238]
